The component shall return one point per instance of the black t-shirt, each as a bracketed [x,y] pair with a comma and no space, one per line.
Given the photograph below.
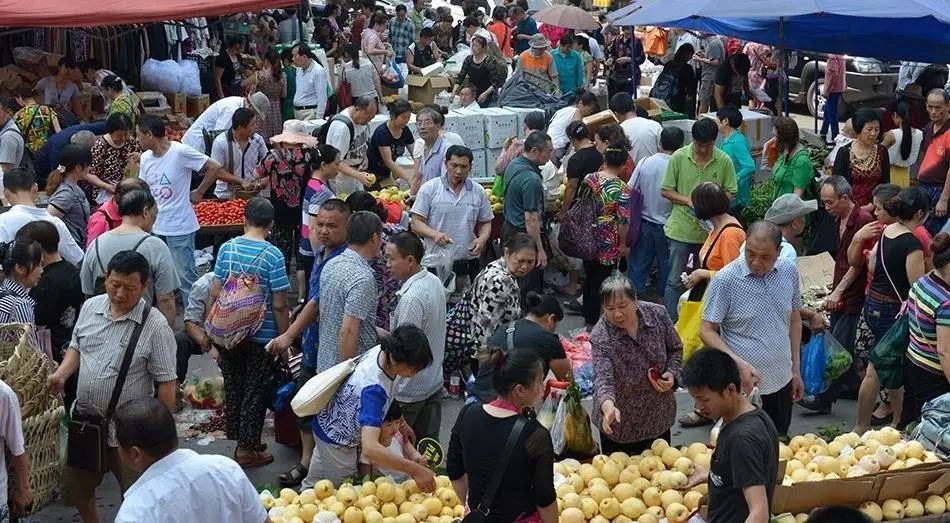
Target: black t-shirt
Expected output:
[475,448]
[894,252]
[58,297]
[733,82]
[528,335]
[230,79]
[587,160]
[746,455]
[383,137]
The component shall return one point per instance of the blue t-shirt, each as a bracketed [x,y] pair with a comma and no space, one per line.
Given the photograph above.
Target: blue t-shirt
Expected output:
[525,27]
[47,158]
[311,336]
[362,401]
[243,255]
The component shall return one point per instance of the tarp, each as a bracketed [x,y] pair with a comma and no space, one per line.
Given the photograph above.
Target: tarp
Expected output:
[94,13]
[900,30]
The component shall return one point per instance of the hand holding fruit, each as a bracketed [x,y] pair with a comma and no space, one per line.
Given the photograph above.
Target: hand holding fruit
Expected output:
[368,179]
[425,479]
[611,416]
[699,475]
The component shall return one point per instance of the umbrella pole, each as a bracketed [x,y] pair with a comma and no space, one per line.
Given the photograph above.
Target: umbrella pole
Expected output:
[816,96]
[781,44]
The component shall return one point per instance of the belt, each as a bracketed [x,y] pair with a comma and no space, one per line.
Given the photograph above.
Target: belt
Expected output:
[304,107]
[882,298]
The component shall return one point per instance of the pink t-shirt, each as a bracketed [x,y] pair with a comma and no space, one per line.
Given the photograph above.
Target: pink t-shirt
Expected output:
[102,220]
[835,73]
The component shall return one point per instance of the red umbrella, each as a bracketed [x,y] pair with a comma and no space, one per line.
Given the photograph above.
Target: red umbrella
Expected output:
[568,17]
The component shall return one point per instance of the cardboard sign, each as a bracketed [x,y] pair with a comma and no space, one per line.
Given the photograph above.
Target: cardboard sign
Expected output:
[816,270]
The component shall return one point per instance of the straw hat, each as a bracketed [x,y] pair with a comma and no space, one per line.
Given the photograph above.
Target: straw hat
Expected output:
[260,104]
[294,133]
[538,41]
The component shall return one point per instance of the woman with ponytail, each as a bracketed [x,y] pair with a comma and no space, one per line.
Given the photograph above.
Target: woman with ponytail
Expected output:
[67,200]
[22,264]
[612,197]
[526,493]
[903,144]
[324,165]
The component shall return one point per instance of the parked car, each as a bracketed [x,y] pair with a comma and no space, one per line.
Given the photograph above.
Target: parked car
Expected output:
[871,83]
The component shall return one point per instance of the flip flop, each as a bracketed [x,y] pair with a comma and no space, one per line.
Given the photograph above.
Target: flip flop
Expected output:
[257,459]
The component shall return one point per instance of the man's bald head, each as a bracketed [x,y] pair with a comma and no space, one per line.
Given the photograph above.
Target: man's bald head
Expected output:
[83,138]
[763,245]
[767,231]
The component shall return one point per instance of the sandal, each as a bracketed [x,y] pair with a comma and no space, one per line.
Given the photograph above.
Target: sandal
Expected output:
[293,477]
[878,421]
[694,419]
[256,459]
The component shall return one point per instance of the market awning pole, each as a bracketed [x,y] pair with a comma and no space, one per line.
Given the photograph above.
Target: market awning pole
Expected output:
[781,46]
[817,70]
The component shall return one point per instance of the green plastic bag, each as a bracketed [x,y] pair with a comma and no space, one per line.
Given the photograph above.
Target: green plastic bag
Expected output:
[498,186]
[888,354]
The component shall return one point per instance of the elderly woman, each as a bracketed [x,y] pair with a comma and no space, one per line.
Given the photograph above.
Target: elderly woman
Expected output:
[927,365]
[495,296]
[636,355]
[865,163]
[483,71]
[372,43]
[110,157]
[36,122]
[286,169]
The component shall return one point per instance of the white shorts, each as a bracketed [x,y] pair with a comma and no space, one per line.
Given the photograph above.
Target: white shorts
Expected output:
[331,462]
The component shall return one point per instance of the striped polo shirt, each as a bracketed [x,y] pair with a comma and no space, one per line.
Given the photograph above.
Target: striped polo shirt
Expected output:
[244,255]
[928,307]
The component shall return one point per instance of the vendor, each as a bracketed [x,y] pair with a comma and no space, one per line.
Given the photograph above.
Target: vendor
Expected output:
[61,92]
[357,411]
[239,150]
[484,71]
[539,64]
[423,52]
[217,119]
[467,98]
[228,68]
[390,142]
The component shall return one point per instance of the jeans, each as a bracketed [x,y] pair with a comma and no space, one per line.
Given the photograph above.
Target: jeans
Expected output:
[183,256]
[933,191]
[830,118]
[844,328]
[880,316]
[679,256]
[651,247]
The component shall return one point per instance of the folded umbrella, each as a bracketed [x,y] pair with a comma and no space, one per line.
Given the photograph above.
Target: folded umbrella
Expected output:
[568,17]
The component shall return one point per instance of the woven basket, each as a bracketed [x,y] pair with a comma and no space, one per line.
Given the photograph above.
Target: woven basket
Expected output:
[41,436]
[24,368]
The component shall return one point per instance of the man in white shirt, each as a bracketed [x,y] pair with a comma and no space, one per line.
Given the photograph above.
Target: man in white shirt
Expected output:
[11,139]
[310,98]
[177,485]
[20,190]
[643,133]
[585,106]
[166,167]
[217,118]
[11,441]
[467,98]
[240,150]
[431,146]
[347,132]
[421,303]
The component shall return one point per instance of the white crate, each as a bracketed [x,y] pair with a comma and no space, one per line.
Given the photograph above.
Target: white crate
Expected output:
[756,127]
[470,125]
[491,156]
[377,120]
[500,124]
[684,125]
[520,113]
[478,166]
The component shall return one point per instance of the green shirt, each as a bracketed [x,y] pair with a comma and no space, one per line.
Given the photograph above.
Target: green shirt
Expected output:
[793,173]
[523,191]
[287,104]
[737,148]
[683,175]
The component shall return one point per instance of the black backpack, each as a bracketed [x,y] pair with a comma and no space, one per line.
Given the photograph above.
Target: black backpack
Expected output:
[666,86]
[321,133]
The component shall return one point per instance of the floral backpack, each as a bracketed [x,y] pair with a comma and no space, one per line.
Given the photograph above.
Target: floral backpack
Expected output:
[240,308]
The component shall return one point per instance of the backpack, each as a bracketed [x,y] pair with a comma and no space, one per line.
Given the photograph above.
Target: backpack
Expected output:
[324,130]
[240,308]
[26,161]
[666,86]
[100,285]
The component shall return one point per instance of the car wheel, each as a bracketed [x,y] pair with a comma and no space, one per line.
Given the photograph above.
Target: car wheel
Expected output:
[815,107]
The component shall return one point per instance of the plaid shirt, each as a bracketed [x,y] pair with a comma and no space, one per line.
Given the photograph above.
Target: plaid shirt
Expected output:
[401,34]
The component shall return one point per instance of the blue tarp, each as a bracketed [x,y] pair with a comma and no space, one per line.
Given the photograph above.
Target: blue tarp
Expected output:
[923,39]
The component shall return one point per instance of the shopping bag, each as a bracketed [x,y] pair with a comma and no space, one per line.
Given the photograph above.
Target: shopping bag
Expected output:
[813,364]
[888,354]
[576,237]
[314,396]
[572,426]
[687,326]
[837,360]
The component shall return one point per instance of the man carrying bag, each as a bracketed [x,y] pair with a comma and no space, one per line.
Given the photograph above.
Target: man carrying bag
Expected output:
[122,348]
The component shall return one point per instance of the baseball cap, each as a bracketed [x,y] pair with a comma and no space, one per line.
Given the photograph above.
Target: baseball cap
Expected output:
[787,207]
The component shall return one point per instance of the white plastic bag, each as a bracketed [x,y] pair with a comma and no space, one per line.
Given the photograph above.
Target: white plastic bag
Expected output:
[558,439]
[190,77]
[439,259]
[164,76]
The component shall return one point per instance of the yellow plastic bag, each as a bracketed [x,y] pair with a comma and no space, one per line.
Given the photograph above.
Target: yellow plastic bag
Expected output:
[687,326]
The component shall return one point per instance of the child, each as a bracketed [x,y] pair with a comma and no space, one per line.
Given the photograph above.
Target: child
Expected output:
[391,437]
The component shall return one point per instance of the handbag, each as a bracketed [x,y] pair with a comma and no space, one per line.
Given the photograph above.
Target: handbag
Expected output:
[635,207]
[575,238]
[316,394]
[887,355]
[479,513]
[460,343]
[344,91]
[88,436]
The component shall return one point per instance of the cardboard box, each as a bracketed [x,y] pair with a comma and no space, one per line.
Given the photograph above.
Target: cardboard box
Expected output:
[500,124]
[423,89]
[596,120]
[684,125]
[177,101]
[491,156]
[469,124]
[654,107]
[196,105]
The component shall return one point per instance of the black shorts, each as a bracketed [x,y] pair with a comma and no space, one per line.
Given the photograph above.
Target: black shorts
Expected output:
[306,373]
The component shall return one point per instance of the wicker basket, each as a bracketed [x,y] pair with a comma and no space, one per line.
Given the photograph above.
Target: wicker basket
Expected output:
[24,368]
[41,437]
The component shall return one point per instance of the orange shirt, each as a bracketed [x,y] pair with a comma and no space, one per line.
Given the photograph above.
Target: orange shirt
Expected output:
[539,66]
[725,250]
[503,36]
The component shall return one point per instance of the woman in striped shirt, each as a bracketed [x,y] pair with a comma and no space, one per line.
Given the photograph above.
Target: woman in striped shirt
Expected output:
[22,265]
[927,367]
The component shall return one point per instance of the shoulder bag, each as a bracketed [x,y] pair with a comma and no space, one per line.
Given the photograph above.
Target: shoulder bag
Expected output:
[344,91]
[575,237]
[88,439]
[241,307]
[481,512]
[635,207]
[887,355]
